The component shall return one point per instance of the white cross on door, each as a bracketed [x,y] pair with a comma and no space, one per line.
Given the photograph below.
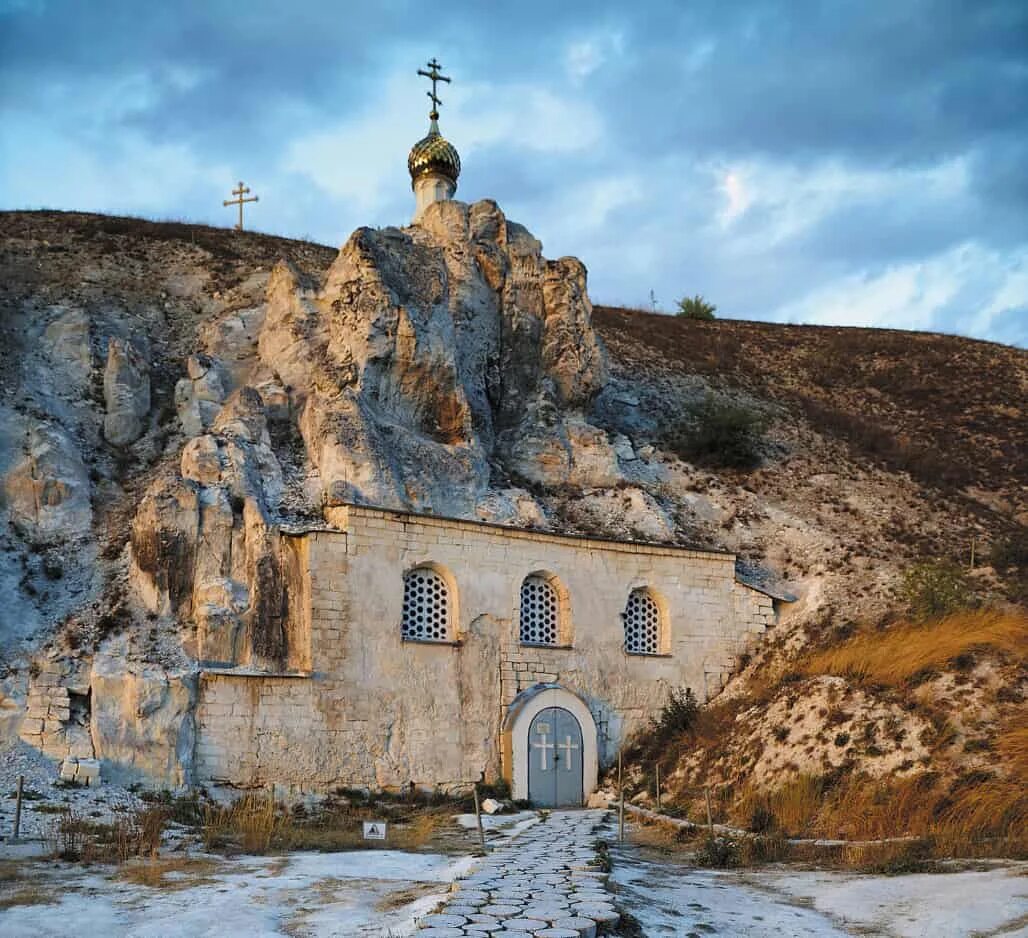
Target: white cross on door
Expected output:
[542,747]
[568,748]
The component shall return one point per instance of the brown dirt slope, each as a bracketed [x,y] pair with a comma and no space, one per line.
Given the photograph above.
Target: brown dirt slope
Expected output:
[948,410]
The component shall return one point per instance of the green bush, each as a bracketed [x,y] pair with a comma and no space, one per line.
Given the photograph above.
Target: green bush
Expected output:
[719,433]
[679,714]
[936,588]
[677,717]
[695,307]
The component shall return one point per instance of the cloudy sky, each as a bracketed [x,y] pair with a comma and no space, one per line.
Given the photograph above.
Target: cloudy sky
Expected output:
[861,163]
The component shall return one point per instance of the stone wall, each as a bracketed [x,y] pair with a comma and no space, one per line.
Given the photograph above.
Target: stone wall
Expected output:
[57,710]
[375,710]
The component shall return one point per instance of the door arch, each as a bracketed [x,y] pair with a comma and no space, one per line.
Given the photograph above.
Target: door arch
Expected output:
[518,725]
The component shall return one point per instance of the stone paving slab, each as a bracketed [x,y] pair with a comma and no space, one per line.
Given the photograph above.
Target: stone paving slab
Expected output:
[547,882]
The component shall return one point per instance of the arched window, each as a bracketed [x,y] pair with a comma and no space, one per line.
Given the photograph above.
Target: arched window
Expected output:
[540,611]
[642,618]
[427,606]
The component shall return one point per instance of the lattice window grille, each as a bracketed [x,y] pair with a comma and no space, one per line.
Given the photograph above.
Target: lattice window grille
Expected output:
[426,606]
[540,612]
[642,624]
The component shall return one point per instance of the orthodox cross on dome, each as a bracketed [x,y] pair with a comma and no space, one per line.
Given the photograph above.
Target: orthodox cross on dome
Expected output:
[240,192]
[434,76]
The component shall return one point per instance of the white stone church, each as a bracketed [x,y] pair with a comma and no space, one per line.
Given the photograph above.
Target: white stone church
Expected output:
[437,652]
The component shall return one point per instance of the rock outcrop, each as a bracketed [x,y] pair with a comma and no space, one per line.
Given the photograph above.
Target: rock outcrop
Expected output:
[434,350]
[431,359]
[142,721]
[47,488]
[126,392]
[204,546]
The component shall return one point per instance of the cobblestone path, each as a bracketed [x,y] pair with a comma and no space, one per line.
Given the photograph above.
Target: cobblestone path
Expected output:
[547,882]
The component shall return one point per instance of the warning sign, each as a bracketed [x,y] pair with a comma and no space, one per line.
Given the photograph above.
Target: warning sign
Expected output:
[374,830]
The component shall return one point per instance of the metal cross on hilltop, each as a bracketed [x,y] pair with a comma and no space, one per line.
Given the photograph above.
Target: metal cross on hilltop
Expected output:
[240,192]
[435,77]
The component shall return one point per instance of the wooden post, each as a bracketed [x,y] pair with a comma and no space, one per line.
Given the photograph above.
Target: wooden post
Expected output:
[17,806]
[658,788]
[972,554]
[478,817]
[621,803]
[710,816]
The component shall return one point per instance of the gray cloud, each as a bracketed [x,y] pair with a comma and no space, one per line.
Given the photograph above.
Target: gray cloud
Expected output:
[776,156]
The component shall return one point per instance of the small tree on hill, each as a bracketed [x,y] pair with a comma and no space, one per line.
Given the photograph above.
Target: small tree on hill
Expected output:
[695,307]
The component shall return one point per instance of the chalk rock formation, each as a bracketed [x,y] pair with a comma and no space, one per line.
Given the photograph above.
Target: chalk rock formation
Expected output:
[199,397]
[204,547]
[67,342]
[47,487]
[431,350]
[142,720]
[127,393]
[435,368]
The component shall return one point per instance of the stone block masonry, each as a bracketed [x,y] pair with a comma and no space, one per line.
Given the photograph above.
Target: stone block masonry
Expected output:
[52,724]
[379,711]
[82,771]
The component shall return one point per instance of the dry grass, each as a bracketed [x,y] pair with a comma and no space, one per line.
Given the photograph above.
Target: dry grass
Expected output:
[864,809]
[250,823]
[11,871]
[1012,747]
[27,895]
[977,814]
[255,824]
[72,836]
[336,831]
[789,809]
[894,655]
[169,873]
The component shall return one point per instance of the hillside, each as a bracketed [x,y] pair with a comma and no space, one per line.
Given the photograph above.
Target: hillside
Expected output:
[893,452]
[877,450]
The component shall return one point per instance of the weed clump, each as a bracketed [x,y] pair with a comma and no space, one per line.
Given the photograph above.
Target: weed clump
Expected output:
[936,588]
[719,853]
[74,837]
[678,718]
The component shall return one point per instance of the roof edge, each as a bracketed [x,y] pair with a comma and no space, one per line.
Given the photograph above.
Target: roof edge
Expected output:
[299,529]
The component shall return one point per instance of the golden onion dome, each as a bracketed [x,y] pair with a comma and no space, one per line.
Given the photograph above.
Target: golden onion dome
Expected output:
[433,154]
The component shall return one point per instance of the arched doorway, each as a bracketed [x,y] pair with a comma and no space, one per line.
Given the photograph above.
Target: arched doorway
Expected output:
[555,759]
[570,747]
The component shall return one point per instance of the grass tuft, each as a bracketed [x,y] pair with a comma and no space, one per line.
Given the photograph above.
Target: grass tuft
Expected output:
[28,895]
[901,652]
[169,873]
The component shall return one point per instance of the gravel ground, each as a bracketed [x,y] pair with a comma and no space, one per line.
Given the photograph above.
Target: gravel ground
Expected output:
[44,793]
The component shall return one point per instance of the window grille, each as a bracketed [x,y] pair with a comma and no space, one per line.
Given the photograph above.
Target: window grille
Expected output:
[426,606]
[540,612]
[642,624]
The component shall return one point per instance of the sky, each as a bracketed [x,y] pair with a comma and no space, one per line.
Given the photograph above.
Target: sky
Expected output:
[858,163]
